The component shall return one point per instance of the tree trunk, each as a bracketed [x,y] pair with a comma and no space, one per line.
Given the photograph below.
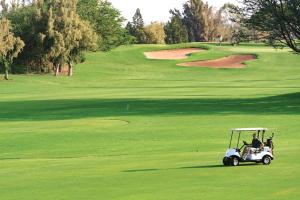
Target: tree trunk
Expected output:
[57,70]
[6,74]
[70,72]
[60,68]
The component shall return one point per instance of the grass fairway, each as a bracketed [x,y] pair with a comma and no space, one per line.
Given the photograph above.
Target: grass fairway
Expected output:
[128,128]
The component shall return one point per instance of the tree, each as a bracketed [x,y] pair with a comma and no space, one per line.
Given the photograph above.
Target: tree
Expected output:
[155,33]
[89,10]
[203,22]
[280,19]
[193,19]
[67,34]
[106,21]
[176,31]
[136,27]
[27,23]
[4,7]
[10,46]
[234,28]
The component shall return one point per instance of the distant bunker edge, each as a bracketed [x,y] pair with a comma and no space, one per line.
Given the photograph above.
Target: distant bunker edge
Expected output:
[233,61]
[172,54]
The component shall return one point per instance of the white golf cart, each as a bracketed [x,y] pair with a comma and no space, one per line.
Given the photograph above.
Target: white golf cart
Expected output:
[247,153]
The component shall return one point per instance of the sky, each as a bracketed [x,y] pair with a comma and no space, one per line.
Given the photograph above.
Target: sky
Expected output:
[155,10]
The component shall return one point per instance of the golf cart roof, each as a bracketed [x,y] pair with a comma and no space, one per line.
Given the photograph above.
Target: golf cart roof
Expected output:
[249,129]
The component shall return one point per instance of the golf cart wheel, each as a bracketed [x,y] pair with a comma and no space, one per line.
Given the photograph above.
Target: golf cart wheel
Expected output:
[266,160]
[235,161]
[226,161]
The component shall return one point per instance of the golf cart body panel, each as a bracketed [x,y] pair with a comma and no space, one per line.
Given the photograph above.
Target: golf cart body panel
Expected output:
[257,155]
[264,154]
[232,152]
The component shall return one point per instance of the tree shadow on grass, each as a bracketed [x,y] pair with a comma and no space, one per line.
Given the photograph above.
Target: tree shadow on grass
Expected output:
[63,109]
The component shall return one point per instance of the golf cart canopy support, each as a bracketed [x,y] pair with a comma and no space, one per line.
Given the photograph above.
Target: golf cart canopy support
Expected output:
[250,129]
[260,133]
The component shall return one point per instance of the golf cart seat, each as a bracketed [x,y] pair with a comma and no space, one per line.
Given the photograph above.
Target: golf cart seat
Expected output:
[255,150]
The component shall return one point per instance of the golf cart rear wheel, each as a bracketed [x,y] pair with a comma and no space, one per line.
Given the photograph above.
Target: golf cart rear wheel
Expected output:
[266,160]
[235,161]
[226,161]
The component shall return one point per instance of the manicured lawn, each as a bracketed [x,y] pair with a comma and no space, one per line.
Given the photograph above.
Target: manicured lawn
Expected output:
[125,127]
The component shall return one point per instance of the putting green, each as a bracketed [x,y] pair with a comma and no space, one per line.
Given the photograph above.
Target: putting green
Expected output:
[126,127]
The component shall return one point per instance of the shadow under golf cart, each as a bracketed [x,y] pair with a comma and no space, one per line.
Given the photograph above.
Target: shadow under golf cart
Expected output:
[188,167]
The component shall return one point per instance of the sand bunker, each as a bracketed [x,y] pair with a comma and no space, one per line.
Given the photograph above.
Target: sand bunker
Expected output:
[234,61]
[174,54]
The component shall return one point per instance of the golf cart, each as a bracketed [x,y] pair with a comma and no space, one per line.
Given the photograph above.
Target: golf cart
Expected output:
[247,153]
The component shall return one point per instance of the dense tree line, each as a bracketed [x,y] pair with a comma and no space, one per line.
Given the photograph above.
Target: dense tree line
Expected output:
[198,22]
[55,33]
[257,20]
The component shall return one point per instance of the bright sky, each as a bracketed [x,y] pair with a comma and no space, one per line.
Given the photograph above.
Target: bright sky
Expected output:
[156,10]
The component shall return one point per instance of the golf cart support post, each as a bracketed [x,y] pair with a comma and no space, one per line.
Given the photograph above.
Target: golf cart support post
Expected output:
[240,130]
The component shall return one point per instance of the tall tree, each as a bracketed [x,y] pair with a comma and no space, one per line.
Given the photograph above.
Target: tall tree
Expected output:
[136,27]
[193,19]
[279,18]
[176,31]
[10,46]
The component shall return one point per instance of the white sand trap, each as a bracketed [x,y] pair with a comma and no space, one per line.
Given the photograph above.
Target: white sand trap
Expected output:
[174,54]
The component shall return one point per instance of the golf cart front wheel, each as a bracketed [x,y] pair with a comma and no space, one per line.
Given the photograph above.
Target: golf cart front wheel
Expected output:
[235,161]
[226,161]
[266,160]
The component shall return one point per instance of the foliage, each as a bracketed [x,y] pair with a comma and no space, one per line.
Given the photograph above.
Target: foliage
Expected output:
[203,22]
[155,33]
[136,27]
[193,19]
[54,35]
[27,23]
[67,34]
[279,18]
[106,21]
[176,31]
[10,46]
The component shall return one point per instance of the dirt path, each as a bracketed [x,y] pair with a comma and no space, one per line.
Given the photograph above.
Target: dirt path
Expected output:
[234,61]
[174,54]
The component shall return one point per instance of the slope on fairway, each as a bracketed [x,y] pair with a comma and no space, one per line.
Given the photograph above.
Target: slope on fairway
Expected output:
[126,127]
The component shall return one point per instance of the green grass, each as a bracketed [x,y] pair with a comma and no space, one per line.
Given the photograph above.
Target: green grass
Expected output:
[125,127]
